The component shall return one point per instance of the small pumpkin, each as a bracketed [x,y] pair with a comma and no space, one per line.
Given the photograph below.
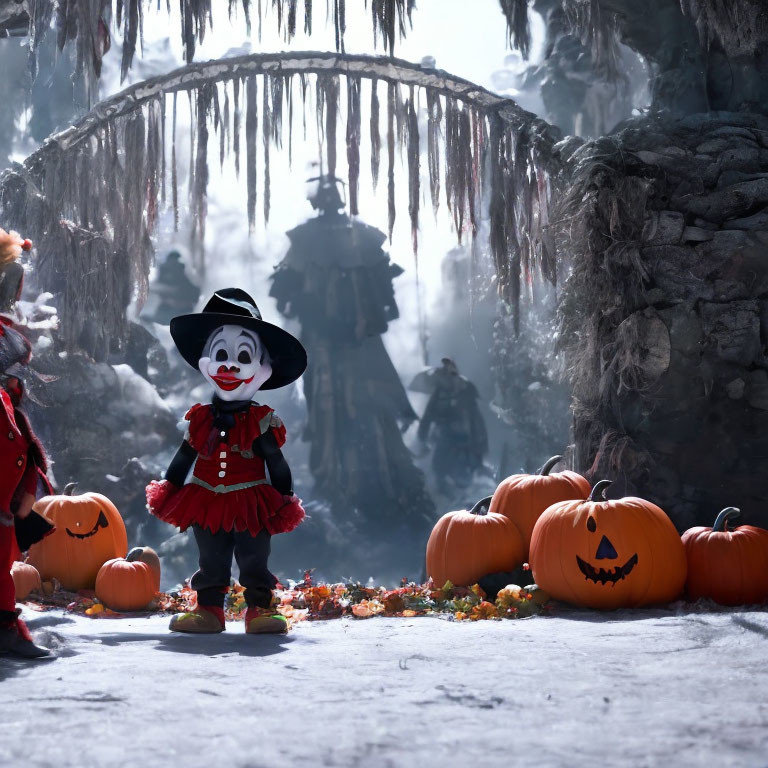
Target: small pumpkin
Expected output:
[608,554]
[729,566]
[523,498]
[149,556]
[466,545]
[125,586]
[26,579]
[89,531]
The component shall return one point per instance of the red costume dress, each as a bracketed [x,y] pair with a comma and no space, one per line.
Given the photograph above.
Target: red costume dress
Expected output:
[23,466]
[229,489]
[22,471]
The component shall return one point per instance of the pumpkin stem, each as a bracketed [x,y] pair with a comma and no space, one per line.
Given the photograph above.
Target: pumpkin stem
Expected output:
[134,554]
[598,492]
[486,502]
[547,468]
[69,489]
[721,522]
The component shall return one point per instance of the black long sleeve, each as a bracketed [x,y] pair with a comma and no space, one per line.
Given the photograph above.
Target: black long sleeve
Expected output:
[180,465]
[31,529]
[279,472]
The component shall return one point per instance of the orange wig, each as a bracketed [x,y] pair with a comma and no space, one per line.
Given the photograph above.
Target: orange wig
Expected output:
[11,246]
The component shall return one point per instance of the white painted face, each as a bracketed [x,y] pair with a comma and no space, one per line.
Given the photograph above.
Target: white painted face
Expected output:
[235,362]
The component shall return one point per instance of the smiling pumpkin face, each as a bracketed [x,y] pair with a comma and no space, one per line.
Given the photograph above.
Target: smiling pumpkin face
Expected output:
[602,554]
[89,531]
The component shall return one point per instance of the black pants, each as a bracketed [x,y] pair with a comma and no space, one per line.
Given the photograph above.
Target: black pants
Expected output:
[251,553]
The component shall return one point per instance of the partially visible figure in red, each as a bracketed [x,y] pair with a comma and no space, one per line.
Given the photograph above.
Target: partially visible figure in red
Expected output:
[22,479]
[11,272]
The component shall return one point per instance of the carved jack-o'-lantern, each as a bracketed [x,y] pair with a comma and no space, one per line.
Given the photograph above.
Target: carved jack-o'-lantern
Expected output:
[89,531]
[608,554]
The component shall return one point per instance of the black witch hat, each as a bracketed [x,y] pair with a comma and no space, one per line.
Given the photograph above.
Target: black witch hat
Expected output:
[232,306]
[14,348]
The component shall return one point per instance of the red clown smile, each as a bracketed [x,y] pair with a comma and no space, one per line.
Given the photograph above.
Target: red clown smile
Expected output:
[229,382]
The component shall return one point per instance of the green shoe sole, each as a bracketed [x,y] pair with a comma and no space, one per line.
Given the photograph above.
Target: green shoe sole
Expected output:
[267,625]
[196,623]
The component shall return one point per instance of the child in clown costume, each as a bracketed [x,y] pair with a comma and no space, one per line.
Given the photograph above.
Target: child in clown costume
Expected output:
[233,442]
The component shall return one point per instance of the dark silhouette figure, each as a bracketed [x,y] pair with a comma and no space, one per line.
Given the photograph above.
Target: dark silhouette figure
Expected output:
[337,281]
[177,294]
[453,421]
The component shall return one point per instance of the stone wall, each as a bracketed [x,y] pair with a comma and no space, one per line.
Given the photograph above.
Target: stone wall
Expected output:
[665,316]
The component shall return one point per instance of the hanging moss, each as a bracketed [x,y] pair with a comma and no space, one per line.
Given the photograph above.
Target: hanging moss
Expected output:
[375,135]
[267,137]
[327,115]
[174,169]
[86,23]
[80,174]
[199,201]
[597,28]
[251,127]
[390,20]
[391,208]
[414,156]
[516,14]
[353,141]
[434,122]
[236,123]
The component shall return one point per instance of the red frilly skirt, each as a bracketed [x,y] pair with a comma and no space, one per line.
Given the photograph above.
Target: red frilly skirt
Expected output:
[261,507]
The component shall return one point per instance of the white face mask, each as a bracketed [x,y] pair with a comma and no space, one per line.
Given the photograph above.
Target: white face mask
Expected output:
[235,362]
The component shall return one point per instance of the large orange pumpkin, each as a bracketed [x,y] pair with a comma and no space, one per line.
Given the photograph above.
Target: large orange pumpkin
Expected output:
[604,554]
[125,586]
[523,498]
[727,566]
[89,531]
[464,546]
[25,579]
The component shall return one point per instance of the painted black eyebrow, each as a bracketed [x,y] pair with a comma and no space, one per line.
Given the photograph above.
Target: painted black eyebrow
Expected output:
[214,338]
[260,345]
[247,337]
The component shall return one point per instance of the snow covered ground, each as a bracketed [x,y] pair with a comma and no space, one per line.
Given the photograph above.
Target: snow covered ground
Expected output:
[674,687]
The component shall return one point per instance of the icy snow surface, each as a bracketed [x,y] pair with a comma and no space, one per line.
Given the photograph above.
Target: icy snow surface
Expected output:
[644,688]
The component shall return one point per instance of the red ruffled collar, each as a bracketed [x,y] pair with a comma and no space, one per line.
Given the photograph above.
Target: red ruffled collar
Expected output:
[249,424]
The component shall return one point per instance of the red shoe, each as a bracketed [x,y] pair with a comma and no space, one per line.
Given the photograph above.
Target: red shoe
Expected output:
[15,639]
[265,621]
